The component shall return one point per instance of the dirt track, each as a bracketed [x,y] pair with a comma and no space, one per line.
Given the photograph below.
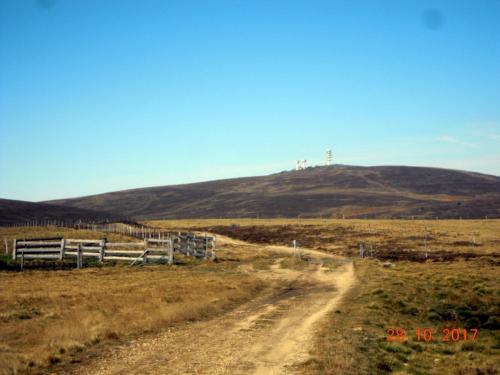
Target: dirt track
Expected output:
[265,336]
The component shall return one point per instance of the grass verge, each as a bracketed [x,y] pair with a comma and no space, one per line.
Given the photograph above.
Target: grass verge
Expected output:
[50,317]
[409,295]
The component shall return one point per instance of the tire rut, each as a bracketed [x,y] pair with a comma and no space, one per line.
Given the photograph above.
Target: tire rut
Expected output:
[268,335]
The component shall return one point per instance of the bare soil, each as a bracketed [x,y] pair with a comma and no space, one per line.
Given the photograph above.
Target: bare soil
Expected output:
[269,335]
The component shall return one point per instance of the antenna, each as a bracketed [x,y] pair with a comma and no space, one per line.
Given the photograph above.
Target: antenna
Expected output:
[328,157]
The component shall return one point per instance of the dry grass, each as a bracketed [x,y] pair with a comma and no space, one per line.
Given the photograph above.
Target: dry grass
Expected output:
[50,318]
[196,223]
[487,227]
[344,236]
[47,317]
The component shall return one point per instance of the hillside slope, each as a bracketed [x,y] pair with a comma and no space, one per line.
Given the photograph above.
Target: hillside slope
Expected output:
[386,191]
[15,212]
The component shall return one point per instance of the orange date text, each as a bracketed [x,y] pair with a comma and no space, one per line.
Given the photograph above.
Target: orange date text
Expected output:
[426,334]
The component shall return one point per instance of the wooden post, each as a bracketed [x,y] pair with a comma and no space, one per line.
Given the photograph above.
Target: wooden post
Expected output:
[6,246]
[101,250]
[79,256]
[170,252]
[190,244]
[214,239]
[63,243]
[22,260]
[473,239]
[206,246]
[14,250]
[145,256]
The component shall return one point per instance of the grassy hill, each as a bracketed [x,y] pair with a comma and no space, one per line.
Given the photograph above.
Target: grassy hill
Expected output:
[338,190]
[15,212]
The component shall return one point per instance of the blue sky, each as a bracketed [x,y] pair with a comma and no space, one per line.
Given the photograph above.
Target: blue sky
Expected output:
[105,95]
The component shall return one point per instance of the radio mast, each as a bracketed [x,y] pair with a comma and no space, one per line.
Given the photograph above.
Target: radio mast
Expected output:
[328,157]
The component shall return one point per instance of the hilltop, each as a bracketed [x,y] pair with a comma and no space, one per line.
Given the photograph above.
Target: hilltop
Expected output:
[337,190]
[14,212]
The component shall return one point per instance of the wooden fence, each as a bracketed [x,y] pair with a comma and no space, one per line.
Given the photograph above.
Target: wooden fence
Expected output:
[150,249]
[38,248]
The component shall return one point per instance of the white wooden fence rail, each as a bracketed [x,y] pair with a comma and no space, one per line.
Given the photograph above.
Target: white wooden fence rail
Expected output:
[150,249]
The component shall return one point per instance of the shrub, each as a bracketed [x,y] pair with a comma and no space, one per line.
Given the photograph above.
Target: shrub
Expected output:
[410,311]
[493,323]
[472,322]
[434,317]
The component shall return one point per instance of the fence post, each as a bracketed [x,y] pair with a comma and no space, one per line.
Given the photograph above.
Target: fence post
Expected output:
[190,246]
[206,246]
[79,256]
[14,250]
[6,246]
[101,250]
[63,243]
[170,251]
[145,257]
[214,239]
[22,260]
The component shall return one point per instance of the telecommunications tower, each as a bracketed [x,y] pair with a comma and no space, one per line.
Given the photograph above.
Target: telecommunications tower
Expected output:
[328,157]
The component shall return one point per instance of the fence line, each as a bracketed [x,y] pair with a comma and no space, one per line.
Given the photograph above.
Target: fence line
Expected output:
[150,249]
[130,229]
